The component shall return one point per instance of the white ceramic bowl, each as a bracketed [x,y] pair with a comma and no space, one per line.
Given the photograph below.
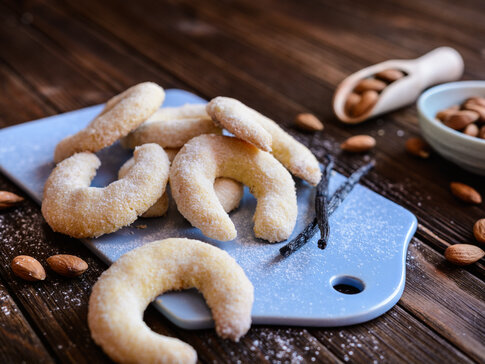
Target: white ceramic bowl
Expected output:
[465,151]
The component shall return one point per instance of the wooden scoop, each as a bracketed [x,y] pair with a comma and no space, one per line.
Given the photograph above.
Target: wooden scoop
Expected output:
[442,64]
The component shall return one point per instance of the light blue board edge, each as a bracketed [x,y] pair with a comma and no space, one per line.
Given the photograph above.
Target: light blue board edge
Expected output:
[369,238]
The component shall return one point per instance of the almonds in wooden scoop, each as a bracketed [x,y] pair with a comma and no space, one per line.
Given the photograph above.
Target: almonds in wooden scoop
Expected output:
[27,268]
[352,100]
[358,144]
[366,103]
[365,93]
[465,193]
[370,84]
[9,199]
[463,254]
[417,147]
[390,75]
[67,265]
[479,230]
[308,122]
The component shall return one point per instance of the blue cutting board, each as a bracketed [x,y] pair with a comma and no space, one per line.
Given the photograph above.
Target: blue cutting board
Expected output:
[367,247]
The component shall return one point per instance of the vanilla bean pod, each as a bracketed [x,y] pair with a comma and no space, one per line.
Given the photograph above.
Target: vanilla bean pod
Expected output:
[345,188]
[311,228]
[322,203]
[336,199]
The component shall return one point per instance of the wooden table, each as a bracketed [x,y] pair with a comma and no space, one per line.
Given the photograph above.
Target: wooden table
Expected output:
[281,57]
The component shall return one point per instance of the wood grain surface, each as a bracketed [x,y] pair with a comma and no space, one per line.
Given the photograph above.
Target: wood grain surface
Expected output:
[280,57]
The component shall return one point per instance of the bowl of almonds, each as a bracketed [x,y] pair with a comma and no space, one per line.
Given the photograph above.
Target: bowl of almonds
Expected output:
[452,120]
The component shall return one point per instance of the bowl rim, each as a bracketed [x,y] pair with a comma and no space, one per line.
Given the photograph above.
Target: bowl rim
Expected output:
[444,87]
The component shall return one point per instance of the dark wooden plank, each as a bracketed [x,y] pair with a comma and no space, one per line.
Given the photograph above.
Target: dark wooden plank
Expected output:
[47,71]
[18,341]
[116,65]
[57,306]
[260,345]
[232,75]
[406,29]
[392,338]
[449,299]
[12,107]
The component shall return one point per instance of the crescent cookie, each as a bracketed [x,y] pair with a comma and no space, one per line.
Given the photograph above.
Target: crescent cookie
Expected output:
[206,157]
[240,120]
[71,207]
[228,191]
[122,114]
[172,127]
[121,294]
[246,123]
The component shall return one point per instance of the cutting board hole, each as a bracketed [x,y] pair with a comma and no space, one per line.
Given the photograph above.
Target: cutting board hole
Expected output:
[347,284]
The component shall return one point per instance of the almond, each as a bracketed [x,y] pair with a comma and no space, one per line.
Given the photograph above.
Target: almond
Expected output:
[463,254]
[481,133]
[27,268]
[352,100]
[308,122]
[417,147]
[480,110]
[460,119]
[471,130]
[444,114]
[369,84]
[9,199]
[67,265]
[358,144]
[390,75]
[465,193]
[479,230]
[475,100]
[366,103]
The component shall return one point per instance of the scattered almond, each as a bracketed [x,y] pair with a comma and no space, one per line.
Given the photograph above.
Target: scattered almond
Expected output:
[471,130]
[460,119]
[366,103]
[417,147]
[444,114]
[463,254]
[479,230]
[390,75]
[9,199]
[465,193]
[358,144]
[67,265]
[370,84]
[27,268]
[308,122]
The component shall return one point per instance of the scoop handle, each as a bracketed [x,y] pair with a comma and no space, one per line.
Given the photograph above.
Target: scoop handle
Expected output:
[443,64]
